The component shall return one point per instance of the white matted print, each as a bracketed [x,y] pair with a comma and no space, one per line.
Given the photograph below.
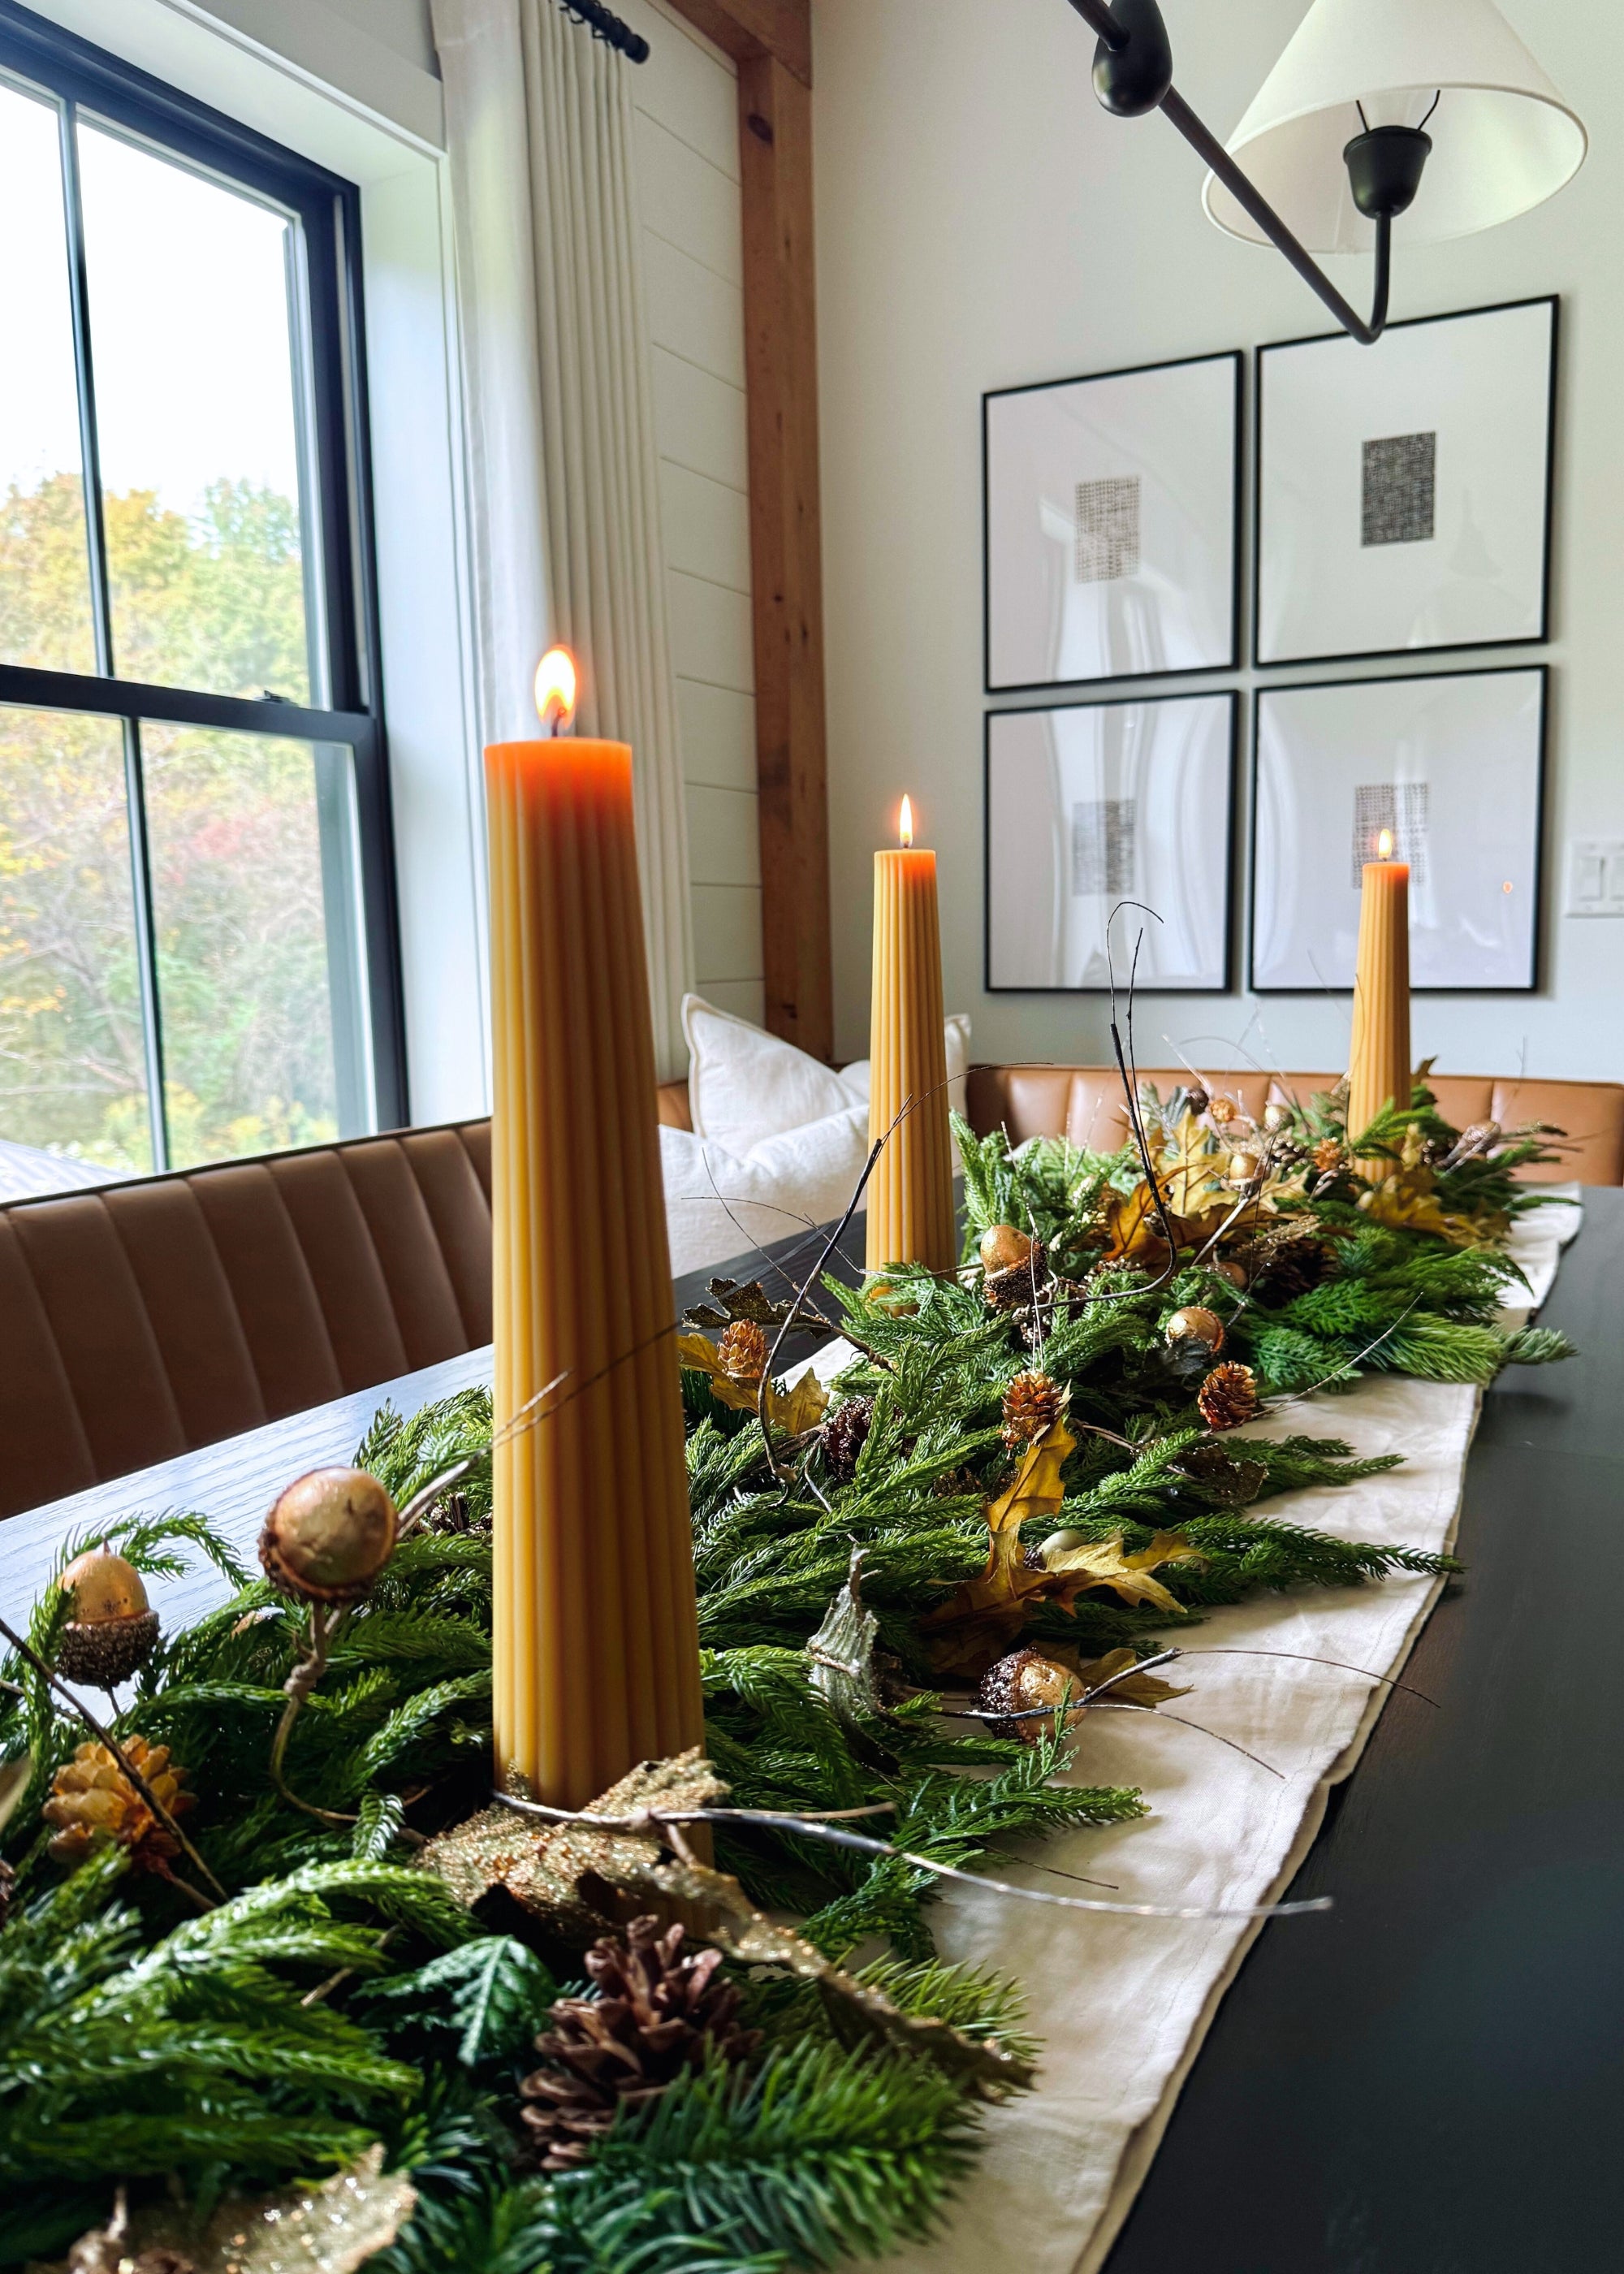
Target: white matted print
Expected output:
[1111,525]
[1404,490]
[1092,804]
[1451,767]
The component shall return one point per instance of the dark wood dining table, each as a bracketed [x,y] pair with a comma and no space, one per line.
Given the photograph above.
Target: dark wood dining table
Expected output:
[1432,2083]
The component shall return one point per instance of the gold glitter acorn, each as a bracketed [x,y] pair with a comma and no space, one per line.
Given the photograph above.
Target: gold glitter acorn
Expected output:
[92,1802]
[1031,1403]
[1243,1170]
[113,1629]
[743,1351]
[1011,1263]
[1227,1396]
[1276,1117]
[329,1536]
[1022,1684]
[1194,1324]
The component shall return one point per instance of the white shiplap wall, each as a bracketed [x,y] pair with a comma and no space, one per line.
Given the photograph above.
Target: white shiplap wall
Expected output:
[688,160]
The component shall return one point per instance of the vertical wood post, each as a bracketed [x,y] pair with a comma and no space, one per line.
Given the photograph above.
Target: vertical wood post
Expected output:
[780,324]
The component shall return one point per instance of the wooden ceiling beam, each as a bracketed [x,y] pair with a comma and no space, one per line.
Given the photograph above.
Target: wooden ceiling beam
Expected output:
[747,30]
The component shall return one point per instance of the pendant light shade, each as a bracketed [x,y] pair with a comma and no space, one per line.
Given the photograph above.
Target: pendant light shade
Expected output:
[1503,139]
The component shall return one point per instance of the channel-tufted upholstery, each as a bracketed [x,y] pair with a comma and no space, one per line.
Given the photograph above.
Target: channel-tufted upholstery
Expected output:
[144,1320]
[1085,1104]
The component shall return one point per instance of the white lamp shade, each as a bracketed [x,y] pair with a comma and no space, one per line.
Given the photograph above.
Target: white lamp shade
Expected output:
[1503,139]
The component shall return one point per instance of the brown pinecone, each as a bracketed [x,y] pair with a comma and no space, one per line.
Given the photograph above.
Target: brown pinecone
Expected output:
[1030,1403]
[92,1802]
[743,1352]
[845,1434]
[1288,1267]
[1329,1156]
[656,2014]
[1227,1396]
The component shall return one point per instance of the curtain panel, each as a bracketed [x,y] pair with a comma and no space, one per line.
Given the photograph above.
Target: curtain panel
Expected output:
[558,385]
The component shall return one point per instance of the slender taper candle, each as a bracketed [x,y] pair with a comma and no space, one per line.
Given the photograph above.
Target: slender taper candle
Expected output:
[1378,1069]
[911,1192]
[596,1646]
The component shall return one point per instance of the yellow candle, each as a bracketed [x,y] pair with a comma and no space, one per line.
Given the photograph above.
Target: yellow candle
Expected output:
[1379,1072]
[911,1192]
[595,1650]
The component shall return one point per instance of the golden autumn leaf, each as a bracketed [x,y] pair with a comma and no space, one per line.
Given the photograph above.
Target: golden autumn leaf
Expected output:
[1128,1687]
[1035,1488]
[793,1411]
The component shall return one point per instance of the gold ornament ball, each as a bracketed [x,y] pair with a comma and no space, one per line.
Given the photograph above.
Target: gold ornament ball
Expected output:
[1196,1324]
[113,1629]
[328,1536]
[1221,1110]
[1004,1248]
[1235,1273]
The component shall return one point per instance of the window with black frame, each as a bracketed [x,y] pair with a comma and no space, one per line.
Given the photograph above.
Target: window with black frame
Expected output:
[197,956]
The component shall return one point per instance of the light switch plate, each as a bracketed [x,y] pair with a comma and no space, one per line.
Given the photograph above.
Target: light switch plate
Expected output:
[1595,877]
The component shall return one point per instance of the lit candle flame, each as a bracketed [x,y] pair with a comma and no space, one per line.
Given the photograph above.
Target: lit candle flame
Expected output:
[1384,846]
[555,689]
[904,825]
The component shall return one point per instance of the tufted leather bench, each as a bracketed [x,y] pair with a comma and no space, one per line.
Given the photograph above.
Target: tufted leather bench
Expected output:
[1085,1103]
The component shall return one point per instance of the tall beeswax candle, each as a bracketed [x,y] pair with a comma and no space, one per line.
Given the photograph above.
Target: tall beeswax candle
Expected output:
[911,1192]
[1379,1072]
[596,1646]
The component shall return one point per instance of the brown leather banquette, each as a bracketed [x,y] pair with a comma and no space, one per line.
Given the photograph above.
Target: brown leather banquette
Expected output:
[141,1321]
[1085,1104]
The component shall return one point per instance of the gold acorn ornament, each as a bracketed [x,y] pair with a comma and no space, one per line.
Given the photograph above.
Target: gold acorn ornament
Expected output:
[1032,1687]
[93,1803]
[1244,1171]
[328,1536]
[1227,1396]
[1276,1117]
[113,1629]
[1196,1325]
[1031,1404]
[1011,1261]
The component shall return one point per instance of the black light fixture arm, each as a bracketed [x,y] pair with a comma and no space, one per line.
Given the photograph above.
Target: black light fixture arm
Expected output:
[1133,73]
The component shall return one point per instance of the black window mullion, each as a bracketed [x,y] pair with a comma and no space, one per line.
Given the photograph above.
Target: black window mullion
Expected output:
[89,441]
[146,941]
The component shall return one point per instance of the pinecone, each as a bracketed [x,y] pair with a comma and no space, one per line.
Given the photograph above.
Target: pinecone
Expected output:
[743,1351]
[92,1802]
[657,2013]
[1288,1267]
[1030,1403]
[8,1881]
[1227,1396]
[1329,1156]
[845,1434]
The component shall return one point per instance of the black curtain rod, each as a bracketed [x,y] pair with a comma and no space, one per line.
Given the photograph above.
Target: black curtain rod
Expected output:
[603,26]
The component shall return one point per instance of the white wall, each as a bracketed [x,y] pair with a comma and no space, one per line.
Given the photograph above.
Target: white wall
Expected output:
[688,166]
[981,223]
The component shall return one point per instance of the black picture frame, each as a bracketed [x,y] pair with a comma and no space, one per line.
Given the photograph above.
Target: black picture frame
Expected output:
[1542,672]
[1552,300]
[1238,358]
[1231,697]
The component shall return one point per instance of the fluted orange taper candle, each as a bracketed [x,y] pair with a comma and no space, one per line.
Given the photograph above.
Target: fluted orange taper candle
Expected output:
[1378,1070]
[911,1192]
[596,1644]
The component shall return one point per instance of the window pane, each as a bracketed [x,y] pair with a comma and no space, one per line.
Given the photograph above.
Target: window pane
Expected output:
[255,904]
[45,619]
[197,394]
[72,1065]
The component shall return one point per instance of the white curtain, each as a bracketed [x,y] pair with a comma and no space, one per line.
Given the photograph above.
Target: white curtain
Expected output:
[558,380]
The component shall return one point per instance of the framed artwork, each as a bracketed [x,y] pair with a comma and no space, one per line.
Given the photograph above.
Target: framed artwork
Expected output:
[1091,804]
[1113,525]
[1453,767]
[1404,489]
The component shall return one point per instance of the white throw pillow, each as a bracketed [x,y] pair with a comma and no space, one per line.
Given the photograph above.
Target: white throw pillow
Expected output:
[744,1084]
[719,1204]
[855,1076]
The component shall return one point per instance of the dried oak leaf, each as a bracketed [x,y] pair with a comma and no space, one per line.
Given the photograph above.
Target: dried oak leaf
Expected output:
[541,1866]
[794,1411]
[983,1616]
[713,1907]
[732,1303]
